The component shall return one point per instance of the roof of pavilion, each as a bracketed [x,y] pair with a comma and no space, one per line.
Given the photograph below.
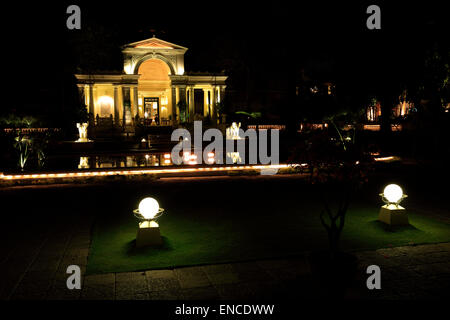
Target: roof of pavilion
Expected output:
[154,43]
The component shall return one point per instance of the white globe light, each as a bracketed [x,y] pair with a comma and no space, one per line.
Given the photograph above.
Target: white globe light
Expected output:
[148,208]
[393,193]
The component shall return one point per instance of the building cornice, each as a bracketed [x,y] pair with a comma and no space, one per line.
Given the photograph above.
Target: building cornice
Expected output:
[204,79]
[107,78]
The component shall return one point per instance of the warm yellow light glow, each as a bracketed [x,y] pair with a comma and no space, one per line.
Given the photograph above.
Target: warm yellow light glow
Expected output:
[167,156]
[148,224]
[139,172]
[105,100]
[128,68]
[393,207]
[105,106]
[372,127]
[390,158]
[393,193]
[148,208]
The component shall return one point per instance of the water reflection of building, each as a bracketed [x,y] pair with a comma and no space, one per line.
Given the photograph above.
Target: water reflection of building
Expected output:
[234,157]
[125,161]
[84,163]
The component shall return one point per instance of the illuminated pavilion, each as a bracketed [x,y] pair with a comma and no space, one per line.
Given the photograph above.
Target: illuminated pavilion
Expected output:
[151,89]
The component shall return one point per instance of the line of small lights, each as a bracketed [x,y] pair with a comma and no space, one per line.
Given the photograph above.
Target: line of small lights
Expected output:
[135,172]
[385,158]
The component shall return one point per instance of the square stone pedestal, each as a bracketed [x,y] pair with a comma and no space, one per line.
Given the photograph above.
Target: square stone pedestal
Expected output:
[148,234]
[393,215]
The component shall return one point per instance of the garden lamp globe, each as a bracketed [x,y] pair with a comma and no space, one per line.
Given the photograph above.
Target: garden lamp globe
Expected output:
[393,194]
[392,213]
[148,208]
[148,232]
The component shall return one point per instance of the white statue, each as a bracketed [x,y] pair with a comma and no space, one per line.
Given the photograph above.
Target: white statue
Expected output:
[82,132]
[233,131]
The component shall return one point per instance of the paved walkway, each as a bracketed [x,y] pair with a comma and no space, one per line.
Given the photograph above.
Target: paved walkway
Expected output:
[37,270]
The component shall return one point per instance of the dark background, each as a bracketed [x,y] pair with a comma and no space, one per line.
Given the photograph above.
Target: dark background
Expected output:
[263,47]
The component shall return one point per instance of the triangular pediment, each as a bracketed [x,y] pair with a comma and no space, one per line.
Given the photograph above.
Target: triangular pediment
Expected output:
[154,43]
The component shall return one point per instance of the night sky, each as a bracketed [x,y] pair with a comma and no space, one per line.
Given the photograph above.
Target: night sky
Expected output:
[329,40]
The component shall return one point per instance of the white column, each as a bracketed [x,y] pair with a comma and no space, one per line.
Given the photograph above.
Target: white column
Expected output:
[91,99]
[213,105]
[191,104]
[125,102]
[205,102]
[95,109]
[135,101]
[174,105]
[116,105]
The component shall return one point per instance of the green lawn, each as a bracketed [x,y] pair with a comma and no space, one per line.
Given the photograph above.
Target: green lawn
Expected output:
[219,220]
[203,233]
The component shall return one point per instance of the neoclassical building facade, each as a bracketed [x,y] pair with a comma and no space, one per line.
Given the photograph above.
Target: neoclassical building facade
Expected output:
[153,88]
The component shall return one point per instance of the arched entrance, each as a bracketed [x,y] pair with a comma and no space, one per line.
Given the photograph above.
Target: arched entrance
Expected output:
[154,92]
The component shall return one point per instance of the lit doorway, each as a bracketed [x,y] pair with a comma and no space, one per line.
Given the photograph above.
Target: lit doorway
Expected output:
[151,111]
